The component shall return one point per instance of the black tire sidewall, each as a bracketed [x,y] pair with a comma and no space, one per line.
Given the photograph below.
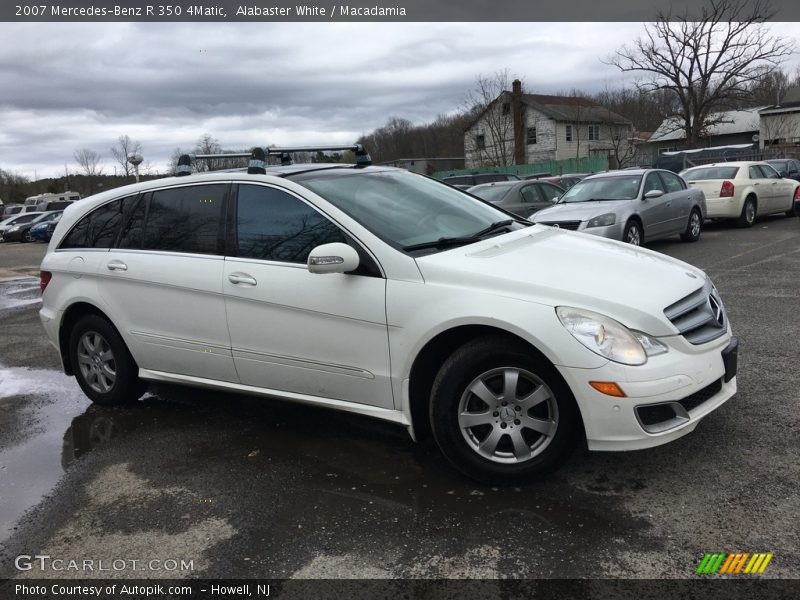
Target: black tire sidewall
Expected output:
[463,367]
[687,235]
[127,385]
[743,217]
[630,225]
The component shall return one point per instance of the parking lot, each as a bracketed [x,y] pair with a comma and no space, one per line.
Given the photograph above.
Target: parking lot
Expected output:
[243,487]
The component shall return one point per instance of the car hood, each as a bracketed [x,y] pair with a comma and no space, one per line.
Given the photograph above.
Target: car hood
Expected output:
[563,268]
[578,211]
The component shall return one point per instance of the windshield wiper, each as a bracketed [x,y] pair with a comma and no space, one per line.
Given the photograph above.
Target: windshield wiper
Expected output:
[443,242]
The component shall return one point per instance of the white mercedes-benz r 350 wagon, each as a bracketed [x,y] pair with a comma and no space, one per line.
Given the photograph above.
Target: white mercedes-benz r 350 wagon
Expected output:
[389,294]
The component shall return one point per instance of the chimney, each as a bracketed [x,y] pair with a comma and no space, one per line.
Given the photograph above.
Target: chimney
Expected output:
[519,122]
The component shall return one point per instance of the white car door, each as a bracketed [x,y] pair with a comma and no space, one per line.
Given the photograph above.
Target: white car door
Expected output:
[782,196]
[162,283]
[291,330]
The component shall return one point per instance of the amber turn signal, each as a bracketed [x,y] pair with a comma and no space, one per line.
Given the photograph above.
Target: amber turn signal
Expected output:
[609,388]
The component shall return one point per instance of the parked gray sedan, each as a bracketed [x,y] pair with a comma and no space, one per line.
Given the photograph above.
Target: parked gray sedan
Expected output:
[631,205]
[522,198]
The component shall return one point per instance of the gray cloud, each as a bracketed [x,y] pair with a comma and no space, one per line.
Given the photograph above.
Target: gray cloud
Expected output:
[68,86]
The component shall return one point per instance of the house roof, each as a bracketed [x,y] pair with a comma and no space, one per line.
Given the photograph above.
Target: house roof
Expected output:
[574,109]
[729,122]
[789,103]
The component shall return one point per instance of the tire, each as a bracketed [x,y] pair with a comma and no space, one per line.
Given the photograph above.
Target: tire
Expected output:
[633,233]
[749,213]
[26,237]
[102,364]
[498,449]
[693,227]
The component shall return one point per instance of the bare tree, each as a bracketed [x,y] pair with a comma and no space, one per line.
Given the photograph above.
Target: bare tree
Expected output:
[88,161]
[124,147]
[489,141]
[708,61]
[206,144]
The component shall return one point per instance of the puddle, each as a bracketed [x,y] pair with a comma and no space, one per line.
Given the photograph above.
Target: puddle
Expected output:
[30,457]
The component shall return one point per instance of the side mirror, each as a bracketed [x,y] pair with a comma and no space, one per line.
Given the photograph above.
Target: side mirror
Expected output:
[653,194]
[333,258]
[555,199]
[784,174]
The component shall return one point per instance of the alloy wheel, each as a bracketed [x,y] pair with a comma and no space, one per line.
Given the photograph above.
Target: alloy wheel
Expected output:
[508,415]
[96,362]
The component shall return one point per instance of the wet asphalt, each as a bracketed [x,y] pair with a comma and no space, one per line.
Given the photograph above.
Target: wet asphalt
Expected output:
[245,487]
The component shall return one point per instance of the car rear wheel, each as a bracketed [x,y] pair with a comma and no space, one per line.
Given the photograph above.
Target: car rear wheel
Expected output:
[502,415]
[749,213]
[633,234]
[102,364]
[693,227]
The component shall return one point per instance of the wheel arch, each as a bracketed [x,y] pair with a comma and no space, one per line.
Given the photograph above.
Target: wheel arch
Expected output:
[435,352]
[72,315]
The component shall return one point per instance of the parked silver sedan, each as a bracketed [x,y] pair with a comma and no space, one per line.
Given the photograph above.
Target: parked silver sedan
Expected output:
[631,205]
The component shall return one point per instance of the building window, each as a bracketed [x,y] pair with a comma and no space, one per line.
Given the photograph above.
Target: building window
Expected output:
[531,137]
[480,141]
[569,133]
[594,132]
[506,108]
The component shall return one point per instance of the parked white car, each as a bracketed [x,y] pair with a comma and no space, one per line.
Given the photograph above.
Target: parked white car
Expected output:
[385,293]
[743,190]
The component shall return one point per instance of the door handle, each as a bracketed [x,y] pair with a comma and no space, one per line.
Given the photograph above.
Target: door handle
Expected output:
[116,265]
[242,278]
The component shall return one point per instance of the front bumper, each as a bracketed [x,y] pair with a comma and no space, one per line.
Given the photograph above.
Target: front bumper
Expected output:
[666,398]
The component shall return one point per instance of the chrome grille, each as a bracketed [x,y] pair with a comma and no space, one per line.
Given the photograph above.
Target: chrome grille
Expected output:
[571,225]
[700,317]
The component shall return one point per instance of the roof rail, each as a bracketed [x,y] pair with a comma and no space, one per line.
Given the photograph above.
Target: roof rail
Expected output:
[258,157]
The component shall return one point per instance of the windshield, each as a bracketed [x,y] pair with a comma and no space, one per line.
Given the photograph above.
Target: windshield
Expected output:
[622,187]
[402,208]
[491,193]
[700,173]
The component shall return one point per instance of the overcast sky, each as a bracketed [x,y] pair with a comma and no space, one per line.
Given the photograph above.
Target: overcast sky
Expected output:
[70,86]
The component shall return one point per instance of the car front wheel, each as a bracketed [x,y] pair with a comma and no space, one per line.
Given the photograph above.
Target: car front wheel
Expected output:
[501,414]
[102,364]
[633,234]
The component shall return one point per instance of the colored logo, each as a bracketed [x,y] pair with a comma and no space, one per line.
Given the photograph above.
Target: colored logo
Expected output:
[733,563]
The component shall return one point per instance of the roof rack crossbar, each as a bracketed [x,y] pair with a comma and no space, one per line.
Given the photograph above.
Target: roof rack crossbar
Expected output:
[258,156]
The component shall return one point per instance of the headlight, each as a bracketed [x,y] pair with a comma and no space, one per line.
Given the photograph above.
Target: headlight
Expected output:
[13,229]
[608,338]
[602,221]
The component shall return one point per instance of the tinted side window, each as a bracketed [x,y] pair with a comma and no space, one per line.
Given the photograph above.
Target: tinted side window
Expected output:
[529,194]
[769,172]
[274,225]
[755,172]
[550,191]
[99,228]
[186,219]
[671,182]
[132,232]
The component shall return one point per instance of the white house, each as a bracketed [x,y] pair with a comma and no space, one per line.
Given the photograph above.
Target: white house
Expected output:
[780,124]
[519,128]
